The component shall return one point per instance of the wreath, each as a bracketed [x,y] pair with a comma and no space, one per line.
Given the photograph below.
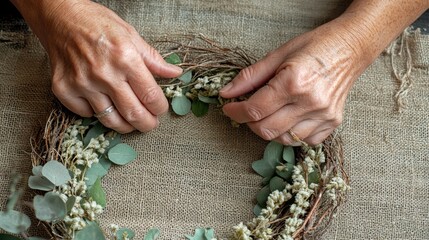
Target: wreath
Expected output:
[302,187]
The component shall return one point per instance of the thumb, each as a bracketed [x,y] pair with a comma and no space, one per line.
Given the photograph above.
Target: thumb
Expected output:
[157,65]
[252,77]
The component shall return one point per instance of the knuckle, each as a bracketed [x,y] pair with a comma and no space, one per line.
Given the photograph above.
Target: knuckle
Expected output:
[152,95]
[246,74]
[254,114]
[268,134]
[135,115]
[125,53]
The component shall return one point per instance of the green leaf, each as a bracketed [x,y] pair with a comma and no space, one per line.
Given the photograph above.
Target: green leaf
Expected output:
[262,196]
[199,108]
[13,199]
[114,139]
[257,210]
[14,222]
[287,173]
[124,232]
[313,178]
[89,121]
[70,203]
[289,155]
[50,207]
[263,168]
[122,154]
[94,132]
[209,100]
[56,173]
[37,170]
[152,234]
[94,172]
[34,238]
[97,193]
[8,237]
[173,59]
[277,183]
[266,180]
[91,231]
[186,77]
[202,234]
[181,105]
[40,183]
[273,153]
[104,162]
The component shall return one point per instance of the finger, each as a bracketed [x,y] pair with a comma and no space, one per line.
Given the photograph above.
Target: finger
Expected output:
[132,110]
[307,131]
[278,123]
[319,137]
[263,103]
[252,77]
[147,91]
[78,105]
[100,102]
[156,64]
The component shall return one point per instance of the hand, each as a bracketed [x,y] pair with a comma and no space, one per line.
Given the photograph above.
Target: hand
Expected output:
[301,86]
[98,60]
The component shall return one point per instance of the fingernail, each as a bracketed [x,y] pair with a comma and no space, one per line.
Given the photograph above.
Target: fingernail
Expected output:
[227,87]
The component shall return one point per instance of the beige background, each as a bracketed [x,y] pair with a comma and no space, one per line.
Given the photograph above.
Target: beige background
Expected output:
[196,172]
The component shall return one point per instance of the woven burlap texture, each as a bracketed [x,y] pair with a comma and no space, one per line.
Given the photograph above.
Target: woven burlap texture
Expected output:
[196,172]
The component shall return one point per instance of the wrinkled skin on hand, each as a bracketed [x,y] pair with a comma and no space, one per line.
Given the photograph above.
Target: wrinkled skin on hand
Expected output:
[303,87]
[99,60]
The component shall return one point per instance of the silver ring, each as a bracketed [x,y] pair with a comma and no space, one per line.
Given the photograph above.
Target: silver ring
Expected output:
[106,112]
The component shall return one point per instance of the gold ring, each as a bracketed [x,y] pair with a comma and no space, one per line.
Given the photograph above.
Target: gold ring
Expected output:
[106,112]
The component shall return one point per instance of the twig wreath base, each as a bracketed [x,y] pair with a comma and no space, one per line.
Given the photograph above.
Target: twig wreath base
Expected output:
[302,187]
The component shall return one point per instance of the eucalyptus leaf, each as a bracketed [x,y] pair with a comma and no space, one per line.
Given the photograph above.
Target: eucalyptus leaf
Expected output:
[209,100]
[313,177]
[105,162]
[152,234]
[173,59]
[56,173]
[199,108]
[181,105]
[37,170]
[287,173]
[94,132]
[277,183]
[70,203]
[186,77]
[94,172]
[289,155]
[262,196]
[91,232]
[40,183]
[124,231]
[266,181]
[13,199]
[263,168]
[8,237]
[273,153]
[89,121]
[14,222]
[122,154]
[34,238]
[97,193]
[114,139]
[50,207]
[257,210]
[202,234]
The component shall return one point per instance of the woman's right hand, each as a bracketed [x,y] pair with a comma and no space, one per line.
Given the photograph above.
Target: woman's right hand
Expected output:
[98,60]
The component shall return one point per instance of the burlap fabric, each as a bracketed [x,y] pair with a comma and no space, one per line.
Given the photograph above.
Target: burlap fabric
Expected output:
[196,172]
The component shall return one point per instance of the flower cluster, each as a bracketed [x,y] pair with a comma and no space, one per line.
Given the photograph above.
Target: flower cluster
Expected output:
[299,208]
[79,159]
[259,228]
[335,186]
